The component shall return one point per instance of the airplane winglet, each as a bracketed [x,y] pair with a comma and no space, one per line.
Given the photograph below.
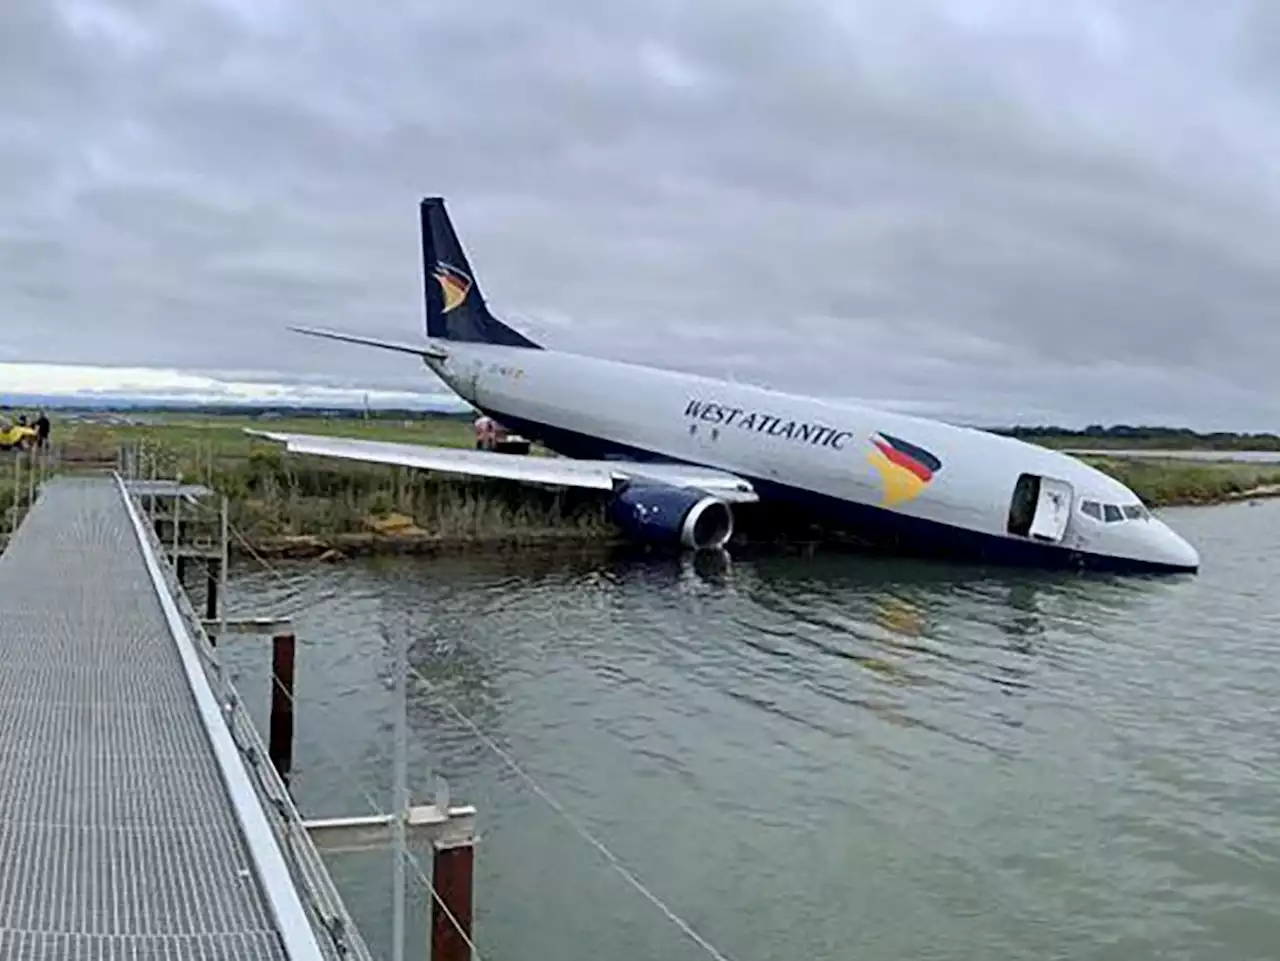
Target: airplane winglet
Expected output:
[424,350]
[266,435]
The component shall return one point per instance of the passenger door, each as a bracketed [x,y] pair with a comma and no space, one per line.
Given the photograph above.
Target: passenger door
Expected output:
[1041,508]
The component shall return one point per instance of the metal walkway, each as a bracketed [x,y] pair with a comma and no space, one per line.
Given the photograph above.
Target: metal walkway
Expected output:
[129,825]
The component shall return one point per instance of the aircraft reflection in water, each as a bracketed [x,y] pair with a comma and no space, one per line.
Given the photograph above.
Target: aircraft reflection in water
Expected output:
[968,653]
[677,454]
[907,600]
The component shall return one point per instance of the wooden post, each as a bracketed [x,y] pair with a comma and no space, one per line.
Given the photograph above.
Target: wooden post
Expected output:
[451,875]
[280,739]
[211,581]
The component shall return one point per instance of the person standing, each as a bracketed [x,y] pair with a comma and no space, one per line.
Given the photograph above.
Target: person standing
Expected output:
[42,430]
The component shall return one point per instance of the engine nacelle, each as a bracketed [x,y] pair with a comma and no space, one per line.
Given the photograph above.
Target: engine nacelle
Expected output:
[663,514]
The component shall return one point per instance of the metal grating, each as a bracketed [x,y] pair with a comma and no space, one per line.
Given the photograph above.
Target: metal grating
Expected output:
[117,836]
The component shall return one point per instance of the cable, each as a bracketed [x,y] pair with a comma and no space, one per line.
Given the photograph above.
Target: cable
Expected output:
[347,771]
[376,808]
[614,861]
[582,832]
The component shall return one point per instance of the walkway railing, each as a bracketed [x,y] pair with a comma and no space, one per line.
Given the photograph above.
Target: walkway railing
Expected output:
[306,870]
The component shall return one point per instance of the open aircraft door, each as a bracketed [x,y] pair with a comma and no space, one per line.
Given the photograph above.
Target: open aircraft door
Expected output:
[1053,510]
[1041,508]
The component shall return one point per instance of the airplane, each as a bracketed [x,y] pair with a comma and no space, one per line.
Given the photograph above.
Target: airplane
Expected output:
[677,454]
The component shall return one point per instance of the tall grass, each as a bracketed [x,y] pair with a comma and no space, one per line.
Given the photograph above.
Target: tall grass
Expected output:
[274,495]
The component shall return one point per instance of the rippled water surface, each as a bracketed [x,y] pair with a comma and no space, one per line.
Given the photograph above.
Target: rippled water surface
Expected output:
[830,757]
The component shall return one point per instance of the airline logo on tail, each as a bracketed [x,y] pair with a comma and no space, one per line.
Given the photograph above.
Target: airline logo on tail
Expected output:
[904,468]
[454,285]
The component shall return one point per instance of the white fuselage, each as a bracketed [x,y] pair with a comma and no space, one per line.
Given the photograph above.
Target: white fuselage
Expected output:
[808,444]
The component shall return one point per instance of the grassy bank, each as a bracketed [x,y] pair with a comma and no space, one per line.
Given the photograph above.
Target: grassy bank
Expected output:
[289,505]
[286,504]
[276,499]
[1167,483]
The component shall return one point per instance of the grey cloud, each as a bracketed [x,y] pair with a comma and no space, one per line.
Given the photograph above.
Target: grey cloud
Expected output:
[1064,211]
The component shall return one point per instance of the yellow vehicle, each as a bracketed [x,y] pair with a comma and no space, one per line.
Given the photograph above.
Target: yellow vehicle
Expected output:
[16,437]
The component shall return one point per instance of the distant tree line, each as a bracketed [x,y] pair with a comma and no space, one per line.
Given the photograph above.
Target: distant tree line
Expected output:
[1144,436]
[341,413]
[283,410]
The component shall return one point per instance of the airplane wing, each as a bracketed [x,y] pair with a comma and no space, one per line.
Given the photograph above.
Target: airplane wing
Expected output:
[557,471]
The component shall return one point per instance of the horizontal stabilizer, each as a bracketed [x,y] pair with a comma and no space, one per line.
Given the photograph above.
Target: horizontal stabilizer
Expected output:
[555,471]
[425,350]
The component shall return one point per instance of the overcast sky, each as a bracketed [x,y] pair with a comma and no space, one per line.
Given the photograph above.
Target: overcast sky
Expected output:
[1006,211]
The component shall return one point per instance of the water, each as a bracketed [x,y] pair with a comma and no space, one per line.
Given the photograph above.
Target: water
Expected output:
[821,758]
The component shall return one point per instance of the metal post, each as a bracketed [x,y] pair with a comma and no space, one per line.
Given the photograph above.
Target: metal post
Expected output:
[151,509]
[400,798]
[221,614]
[31,478]
[280,739]
[177,523]
[17,488]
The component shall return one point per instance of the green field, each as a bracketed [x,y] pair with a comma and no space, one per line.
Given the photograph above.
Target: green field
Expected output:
[223,437]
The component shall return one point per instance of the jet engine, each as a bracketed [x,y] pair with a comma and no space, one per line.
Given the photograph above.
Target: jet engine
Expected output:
[664,514]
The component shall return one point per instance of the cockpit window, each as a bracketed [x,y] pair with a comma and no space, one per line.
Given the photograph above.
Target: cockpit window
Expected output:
[1114,513]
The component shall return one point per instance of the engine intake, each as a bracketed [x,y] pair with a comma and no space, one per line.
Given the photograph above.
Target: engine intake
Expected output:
[663,514]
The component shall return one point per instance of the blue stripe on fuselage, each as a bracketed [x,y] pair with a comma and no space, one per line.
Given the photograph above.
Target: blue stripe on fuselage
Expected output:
[899,532]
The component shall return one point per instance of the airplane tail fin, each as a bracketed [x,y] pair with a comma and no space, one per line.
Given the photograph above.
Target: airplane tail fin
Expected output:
[455,307]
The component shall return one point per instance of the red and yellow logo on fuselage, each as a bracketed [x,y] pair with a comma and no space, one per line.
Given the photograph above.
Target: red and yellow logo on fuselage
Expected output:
[454,285]
[904,468]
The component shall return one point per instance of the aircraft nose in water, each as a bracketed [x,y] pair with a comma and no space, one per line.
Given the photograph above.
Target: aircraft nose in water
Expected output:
[1175,550]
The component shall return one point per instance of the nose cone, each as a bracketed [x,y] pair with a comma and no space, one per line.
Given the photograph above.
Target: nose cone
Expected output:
[1177,551]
